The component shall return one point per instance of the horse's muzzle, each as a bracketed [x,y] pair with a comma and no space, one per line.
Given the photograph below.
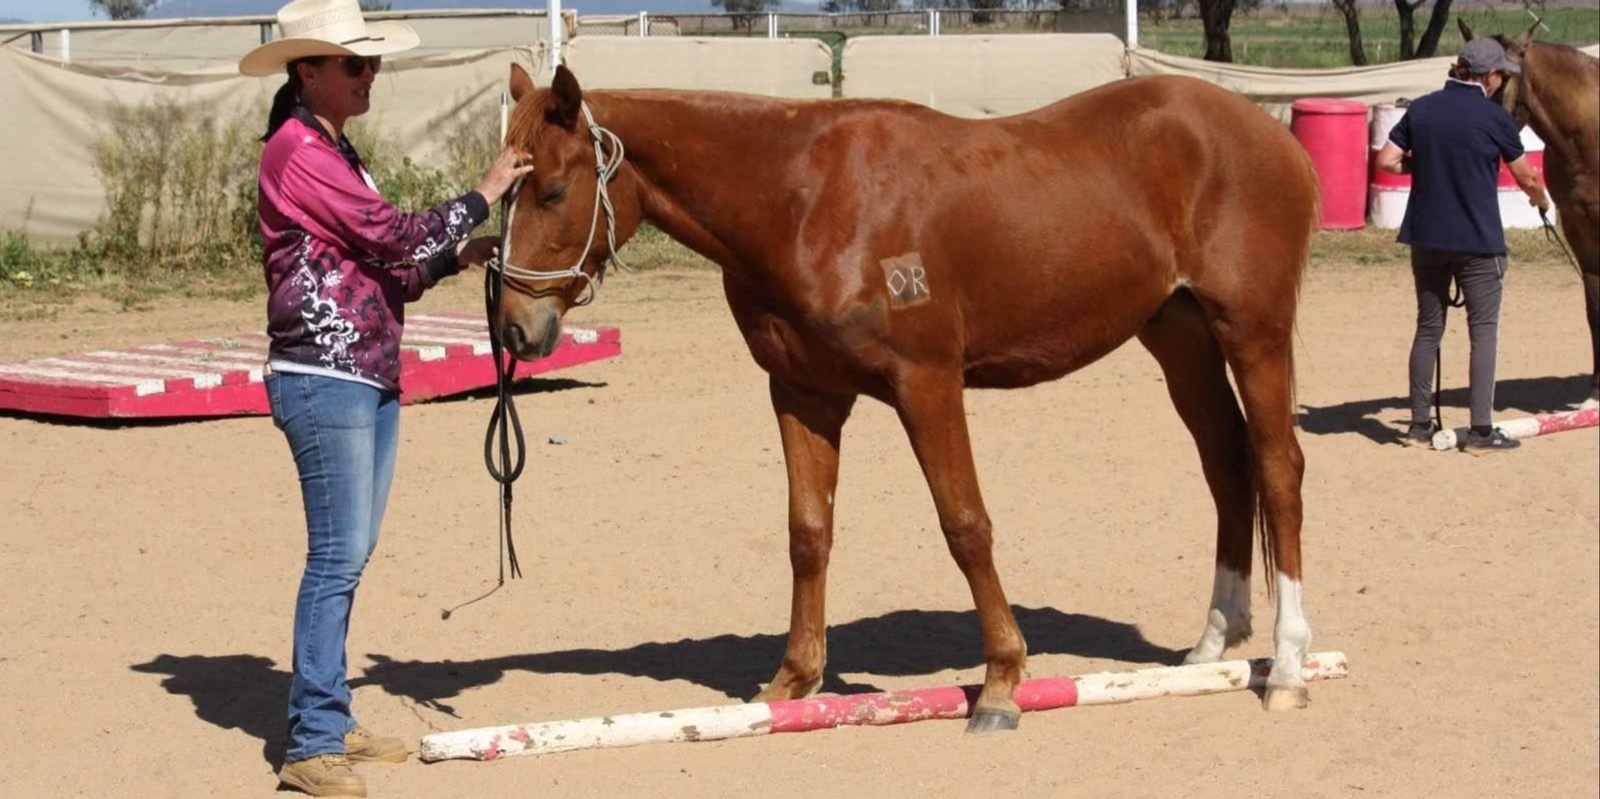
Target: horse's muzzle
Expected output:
[535,341]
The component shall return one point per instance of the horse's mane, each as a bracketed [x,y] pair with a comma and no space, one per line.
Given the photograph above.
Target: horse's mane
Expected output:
[1558,58]
[525,116]
[1561,58]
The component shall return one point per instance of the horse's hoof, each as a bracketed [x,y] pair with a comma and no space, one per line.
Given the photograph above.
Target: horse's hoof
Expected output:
[986,719]
[1277,699]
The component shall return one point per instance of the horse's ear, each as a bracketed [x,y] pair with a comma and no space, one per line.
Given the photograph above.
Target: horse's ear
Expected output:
[1466,30]
[1527,36]
[521,83]
[568,98]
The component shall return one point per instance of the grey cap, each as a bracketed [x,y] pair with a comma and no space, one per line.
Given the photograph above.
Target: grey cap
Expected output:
[1484,55]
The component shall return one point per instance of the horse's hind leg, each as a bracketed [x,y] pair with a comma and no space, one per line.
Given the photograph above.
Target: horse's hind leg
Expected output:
[1258,345]
[810,424]
[1181,340]
[930,405]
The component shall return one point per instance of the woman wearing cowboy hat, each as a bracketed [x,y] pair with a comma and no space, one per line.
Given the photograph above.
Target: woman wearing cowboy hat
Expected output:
[341,262]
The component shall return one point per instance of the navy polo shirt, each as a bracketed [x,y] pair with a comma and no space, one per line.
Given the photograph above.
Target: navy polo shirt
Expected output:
[1456,137]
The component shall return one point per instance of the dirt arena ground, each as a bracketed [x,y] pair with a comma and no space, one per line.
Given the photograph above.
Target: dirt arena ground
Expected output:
[150,572]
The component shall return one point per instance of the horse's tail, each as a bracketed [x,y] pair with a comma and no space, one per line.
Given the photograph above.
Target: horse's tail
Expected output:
[1262,527]
[1313,213]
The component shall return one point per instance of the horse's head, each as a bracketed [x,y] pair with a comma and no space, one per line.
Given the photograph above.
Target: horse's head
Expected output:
[1512,94]
[564,218]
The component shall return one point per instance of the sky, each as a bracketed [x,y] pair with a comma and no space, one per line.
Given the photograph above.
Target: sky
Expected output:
[46,10]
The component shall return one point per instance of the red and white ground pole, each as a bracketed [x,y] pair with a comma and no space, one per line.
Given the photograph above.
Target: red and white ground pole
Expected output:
[1527,426]
[824,712]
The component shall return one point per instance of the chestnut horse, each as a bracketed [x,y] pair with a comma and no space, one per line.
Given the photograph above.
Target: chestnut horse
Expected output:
[1558,94]
[884,249]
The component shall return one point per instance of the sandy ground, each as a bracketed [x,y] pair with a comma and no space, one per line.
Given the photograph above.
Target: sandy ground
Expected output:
[150,572]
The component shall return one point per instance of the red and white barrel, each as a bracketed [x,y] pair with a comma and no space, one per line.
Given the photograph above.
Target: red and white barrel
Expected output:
[1515,212]
[1387,193]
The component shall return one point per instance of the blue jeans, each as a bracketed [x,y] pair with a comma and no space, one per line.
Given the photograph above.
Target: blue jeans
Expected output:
[343,436]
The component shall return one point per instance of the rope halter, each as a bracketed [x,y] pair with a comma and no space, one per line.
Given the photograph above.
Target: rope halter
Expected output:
[605,167]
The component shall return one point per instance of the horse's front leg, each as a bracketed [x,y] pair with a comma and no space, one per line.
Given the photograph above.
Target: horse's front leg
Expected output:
[931,407]
[810,423]
[1591,299]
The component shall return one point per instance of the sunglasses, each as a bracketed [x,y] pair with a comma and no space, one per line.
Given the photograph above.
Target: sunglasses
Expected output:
[355,65]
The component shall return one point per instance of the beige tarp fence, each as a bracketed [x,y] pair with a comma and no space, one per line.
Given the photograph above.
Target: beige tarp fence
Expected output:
[55,113]
[195,45]
[775,67]
[55,116]
[1277,89]
[981,76]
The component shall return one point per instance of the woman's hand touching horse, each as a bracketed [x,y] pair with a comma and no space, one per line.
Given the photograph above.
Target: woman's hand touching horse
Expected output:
[506,169]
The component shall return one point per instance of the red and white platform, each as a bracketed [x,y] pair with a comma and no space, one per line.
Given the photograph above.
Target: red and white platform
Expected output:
[441,354]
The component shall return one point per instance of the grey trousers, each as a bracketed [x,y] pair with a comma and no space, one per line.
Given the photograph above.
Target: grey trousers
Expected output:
[1482,280]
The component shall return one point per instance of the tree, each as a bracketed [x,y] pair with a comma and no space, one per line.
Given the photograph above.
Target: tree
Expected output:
[744,6]
[1430,36]
[744,11]
[1352,27]
[1216,16]
[121,9]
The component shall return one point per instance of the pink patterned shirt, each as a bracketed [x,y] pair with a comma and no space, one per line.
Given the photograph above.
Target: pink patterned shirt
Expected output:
[341,262]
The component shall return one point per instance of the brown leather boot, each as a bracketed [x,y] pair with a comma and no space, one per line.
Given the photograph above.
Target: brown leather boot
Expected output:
[323,775]
[361,746]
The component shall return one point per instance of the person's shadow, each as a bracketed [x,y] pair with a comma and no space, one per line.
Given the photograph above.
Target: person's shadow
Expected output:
[1527,396]
[249,692]
[234,692]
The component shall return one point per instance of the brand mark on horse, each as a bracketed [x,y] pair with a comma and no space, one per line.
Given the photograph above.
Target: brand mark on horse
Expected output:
[907,280]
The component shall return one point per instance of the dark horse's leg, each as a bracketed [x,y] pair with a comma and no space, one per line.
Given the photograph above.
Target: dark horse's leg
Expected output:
[1181,340]
[1591,297]
[810,423]
[932,410]
[1583,242]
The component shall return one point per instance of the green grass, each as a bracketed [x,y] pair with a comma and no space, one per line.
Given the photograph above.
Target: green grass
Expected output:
[1315,37]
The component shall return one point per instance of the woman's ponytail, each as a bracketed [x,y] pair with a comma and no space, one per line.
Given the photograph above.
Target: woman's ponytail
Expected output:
[283,102]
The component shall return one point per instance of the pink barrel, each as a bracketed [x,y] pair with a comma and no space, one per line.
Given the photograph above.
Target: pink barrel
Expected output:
[1334,132]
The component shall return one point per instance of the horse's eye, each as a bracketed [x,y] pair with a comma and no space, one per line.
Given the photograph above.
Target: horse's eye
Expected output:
[553,194]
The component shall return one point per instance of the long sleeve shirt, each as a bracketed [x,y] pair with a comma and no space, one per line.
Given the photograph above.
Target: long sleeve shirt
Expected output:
[340,261]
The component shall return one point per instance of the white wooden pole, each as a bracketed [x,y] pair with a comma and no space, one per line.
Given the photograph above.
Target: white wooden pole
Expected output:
[1527,426]
[1130,10]
[553,10]
[824,712]
[66,46]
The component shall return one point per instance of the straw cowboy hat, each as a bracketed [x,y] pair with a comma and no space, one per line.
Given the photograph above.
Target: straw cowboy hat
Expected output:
[325,27]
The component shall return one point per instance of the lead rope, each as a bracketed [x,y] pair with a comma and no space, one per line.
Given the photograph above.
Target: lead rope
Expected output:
[505,427]
[503,418]
[1455,301]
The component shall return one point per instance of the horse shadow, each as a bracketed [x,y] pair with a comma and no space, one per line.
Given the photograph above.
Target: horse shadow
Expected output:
[901,643]
[249,692]
[1530,395]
